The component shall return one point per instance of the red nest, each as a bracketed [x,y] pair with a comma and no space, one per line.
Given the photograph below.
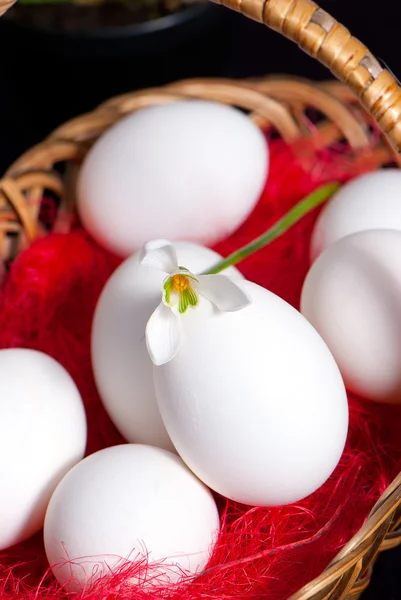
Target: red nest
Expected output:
[47,302]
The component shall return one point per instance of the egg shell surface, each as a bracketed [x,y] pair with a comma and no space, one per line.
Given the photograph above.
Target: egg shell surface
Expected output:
[190,169]
[120,360]
[42,435]
[371,201]
[352,296]
[254,402]
[132,503]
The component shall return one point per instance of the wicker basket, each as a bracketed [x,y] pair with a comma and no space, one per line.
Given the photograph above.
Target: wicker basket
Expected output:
[280,103]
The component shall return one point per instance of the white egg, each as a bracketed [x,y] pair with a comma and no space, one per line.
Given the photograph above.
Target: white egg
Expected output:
[190,169]
[352,296]
[125,504]
[121,363]
[42,435]
[254,401]
[371,201]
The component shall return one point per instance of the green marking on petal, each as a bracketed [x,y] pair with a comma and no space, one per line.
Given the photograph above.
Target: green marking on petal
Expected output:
[188,297]
[183,302]
[192,296]
[168,287]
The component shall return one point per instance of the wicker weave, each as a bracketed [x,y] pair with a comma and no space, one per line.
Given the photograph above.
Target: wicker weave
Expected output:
[280,103]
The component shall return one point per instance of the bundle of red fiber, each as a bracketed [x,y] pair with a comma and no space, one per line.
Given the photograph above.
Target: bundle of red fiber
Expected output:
[47,302]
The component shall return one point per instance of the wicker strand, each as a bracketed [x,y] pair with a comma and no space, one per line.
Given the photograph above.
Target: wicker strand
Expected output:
[5,5]
[360,552]
[322,37]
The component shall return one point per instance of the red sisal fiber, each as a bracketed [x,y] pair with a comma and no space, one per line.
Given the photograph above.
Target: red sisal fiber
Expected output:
[47,302]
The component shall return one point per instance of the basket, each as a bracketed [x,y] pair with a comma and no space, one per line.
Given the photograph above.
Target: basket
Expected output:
[283,105]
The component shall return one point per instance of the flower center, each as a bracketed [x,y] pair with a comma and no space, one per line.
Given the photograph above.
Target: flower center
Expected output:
[180,283]
[178,290]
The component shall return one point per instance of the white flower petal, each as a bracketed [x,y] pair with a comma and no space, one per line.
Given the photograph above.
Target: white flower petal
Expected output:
[163,258]
[223,292]
[163,335]
[155,244]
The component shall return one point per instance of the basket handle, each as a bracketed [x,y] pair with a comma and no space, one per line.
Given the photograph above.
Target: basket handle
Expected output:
[322,37]
[5,5]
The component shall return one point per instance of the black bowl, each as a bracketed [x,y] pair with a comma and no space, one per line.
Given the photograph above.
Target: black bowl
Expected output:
[50,75]
[153,37]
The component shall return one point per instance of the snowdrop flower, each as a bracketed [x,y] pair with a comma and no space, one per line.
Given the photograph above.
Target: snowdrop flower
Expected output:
[181,290]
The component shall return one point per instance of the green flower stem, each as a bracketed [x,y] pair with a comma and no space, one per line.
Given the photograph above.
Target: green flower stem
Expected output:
[293,216]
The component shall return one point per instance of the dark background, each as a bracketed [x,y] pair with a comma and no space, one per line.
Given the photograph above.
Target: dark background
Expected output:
[44,83]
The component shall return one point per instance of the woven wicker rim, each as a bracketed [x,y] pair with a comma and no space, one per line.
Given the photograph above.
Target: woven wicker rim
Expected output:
[280,103]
